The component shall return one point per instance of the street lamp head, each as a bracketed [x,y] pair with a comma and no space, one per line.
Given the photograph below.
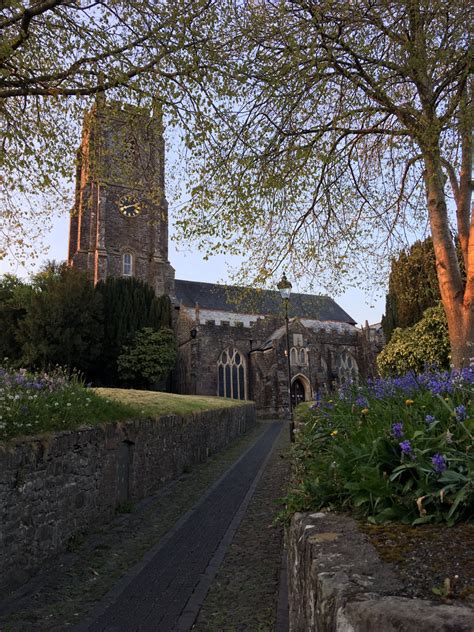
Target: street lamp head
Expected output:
[284,287]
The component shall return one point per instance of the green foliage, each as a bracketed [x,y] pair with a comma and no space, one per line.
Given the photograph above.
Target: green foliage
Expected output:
[56,57]
[129,305]
[411,349]
[12,309]
[60,318]
[63,324]
[150,358]
[395,451]
[34,403]
[412,287]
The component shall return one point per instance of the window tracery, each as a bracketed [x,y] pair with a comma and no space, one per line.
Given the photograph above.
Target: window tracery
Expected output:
[232,375]
[347,369]
[298,356]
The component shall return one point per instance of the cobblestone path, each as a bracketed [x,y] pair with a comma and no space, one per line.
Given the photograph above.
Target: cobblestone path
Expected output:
[217,569]
[244,595]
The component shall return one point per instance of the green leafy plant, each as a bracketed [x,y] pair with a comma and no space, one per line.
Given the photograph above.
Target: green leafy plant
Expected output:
[150,358]
[412,348]
[394,450]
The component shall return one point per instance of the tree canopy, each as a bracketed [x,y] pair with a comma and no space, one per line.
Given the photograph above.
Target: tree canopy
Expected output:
[63,323]
[129,305]
[319,134]
[349,121]
[55,56]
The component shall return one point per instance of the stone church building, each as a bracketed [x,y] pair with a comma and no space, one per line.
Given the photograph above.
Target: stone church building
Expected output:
[231,341]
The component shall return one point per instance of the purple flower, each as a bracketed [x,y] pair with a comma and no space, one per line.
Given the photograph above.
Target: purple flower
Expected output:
[405,447]
[361,401]
[397,430]
[460,412]
[429,419]
[439,462]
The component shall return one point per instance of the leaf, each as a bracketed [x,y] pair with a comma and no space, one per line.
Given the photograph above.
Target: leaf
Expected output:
[449,476]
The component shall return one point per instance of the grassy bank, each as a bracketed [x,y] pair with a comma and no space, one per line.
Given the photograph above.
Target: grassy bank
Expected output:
[152,403]
[37,403]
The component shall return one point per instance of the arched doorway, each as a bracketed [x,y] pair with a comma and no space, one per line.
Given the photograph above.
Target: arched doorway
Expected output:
[300,390]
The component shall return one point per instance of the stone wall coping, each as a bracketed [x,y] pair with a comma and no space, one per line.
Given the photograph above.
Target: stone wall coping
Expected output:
[130,423]
[338,583]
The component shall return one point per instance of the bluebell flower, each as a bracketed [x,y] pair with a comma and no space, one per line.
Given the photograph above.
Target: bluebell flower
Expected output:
[405,447]
[439,462]
[397,430]
[430,419]
[460,412]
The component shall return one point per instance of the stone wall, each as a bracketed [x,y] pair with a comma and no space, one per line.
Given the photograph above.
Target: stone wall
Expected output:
[337,583]
[55,487]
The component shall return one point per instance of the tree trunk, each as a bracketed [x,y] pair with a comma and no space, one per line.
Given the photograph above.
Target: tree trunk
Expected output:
[458,300]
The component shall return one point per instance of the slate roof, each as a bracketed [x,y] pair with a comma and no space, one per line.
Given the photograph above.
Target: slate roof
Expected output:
[243,300]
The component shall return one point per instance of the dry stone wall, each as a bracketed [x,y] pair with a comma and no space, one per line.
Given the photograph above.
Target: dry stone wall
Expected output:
[54,487]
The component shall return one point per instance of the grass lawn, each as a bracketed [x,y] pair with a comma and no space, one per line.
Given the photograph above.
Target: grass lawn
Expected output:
[38,403]
[154,404]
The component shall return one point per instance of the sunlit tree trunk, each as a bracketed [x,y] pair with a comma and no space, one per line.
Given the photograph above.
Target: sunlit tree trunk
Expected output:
[457,298]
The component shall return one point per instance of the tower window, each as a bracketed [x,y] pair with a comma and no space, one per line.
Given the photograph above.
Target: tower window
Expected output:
[127,264]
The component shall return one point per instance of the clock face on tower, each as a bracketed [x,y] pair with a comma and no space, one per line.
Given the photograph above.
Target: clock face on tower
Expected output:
[130,206]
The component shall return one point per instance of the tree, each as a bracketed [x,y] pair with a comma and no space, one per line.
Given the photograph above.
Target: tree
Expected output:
[63,323]
[321,132]
[414,348]
[350,119]
[149,358]
[12,310]
[129,305]
[55,56]
[412,287]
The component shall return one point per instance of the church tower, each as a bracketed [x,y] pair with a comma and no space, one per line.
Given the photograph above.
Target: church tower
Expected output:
[119,223]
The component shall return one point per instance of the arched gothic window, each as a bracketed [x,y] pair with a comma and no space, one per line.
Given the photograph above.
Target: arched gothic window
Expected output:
[298,356]
[127,264]
[231,375]
[347,369]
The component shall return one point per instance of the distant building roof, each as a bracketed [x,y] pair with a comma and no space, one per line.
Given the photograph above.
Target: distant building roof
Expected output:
[227,298]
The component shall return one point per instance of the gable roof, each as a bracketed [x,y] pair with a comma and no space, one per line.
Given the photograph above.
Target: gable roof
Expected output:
[244,300]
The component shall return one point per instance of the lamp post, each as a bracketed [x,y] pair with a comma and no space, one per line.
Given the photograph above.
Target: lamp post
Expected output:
[284,287]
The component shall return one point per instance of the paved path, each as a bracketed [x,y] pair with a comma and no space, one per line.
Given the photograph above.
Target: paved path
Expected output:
[165,592]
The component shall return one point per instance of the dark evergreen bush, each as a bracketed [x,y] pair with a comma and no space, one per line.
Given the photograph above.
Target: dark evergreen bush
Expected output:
[129,305]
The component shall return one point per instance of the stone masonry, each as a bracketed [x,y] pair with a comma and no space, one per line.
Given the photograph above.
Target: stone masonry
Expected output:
[337,583]
[52,488]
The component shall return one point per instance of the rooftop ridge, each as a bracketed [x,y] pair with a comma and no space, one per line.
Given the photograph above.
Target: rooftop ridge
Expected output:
[218,297]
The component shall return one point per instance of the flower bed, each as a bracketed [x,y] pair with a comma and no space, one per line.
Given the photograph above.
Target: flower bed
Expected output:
[33,403]
[397,449]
